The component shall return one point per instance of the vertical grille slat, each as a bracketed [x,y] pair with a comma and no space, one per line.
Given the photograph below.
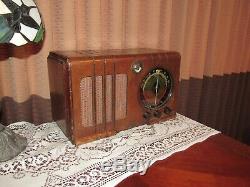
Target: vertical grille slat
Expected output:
[108,98]
[99,100]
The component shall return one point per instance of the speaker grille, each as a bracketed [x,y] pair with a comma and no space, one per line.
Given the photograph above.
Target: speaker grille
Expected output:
[121,96]
[86,91]
[109,98]
[120,101]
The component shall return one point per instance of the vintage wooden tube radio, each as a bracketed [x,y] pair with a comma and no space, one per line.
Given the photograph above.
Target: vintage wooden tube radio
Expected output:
[95,94]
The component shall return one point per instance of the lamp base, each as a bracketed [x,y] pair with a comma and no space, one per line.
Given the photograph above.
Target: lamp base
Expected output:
[11,144]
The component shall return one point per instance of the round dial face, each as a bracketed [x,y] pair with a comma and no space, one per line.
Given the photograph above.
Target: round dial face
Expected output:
[156,89]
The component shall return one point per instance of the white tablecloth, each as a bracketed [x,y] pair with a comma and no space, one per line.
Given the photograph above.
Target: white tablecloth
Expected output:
[51,160]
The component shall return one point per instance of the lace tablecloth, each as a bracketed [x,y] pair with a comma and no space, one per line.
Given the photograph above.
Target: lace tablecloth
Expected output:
[51,160]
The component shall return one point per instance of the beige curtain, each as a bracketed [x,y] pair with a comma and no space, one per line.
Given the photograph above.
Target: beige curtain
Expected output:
[213,37]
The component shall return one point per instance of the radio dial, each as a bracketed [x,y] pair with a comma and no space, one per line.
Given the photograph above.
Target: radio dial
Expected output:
[156,89]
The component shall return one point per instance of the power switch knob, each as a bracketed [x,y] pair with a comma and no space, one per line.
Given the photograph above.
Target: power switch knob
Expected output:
[157,114]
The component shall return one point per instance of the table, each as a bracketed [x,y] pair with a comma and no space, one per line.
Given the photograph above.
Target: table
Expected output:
[191,154]
[218,161]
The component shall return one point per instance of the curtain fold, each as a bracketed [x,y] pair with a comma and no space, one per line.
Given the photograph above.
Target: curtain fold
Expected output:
[221,102]
[213,37]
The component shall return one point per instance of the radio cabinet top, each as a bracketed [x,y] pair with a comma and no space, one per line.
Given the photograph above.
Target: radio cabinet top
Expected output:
[96,93]
[108,53]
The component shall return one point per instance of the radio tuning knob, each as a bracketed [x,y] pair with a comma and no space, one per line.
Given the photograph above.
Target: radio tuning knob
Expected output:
[136,67]
[147,115]
[167,110]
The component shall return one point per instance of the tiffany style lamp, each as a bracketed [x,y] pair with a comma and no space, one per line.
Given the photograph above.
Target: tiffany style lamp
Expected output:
[20,23]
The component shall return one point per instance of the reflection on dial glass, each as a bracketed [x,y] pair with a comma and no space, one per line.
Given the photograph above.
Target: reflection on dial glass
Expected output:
[156,88]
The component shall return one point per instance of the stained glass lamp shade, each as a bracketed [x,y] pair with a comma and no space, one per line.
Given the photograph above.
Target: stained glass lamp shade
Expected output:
[20,22]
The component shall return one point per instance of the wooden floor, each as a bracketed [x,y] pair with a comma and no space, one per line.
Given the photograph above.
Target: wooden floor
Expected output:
[218,161]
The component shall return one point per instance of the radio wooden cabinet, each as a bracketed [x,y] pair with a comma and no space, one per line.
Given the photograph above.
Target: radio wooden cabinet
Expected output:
[95,94]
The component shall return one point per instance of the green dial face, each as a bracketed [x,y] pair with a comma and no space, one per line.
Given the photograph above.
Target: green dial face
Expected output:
[156,89]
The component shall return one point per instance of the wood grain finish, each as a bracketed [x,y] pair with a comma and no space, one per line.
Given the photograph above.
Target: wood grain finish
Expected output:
[71,72]
[218,161]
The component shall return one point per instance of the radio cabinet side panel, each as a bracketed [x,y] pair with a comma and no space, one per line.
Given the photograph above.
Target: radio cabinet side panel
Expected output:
[174,62]
[59,94]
